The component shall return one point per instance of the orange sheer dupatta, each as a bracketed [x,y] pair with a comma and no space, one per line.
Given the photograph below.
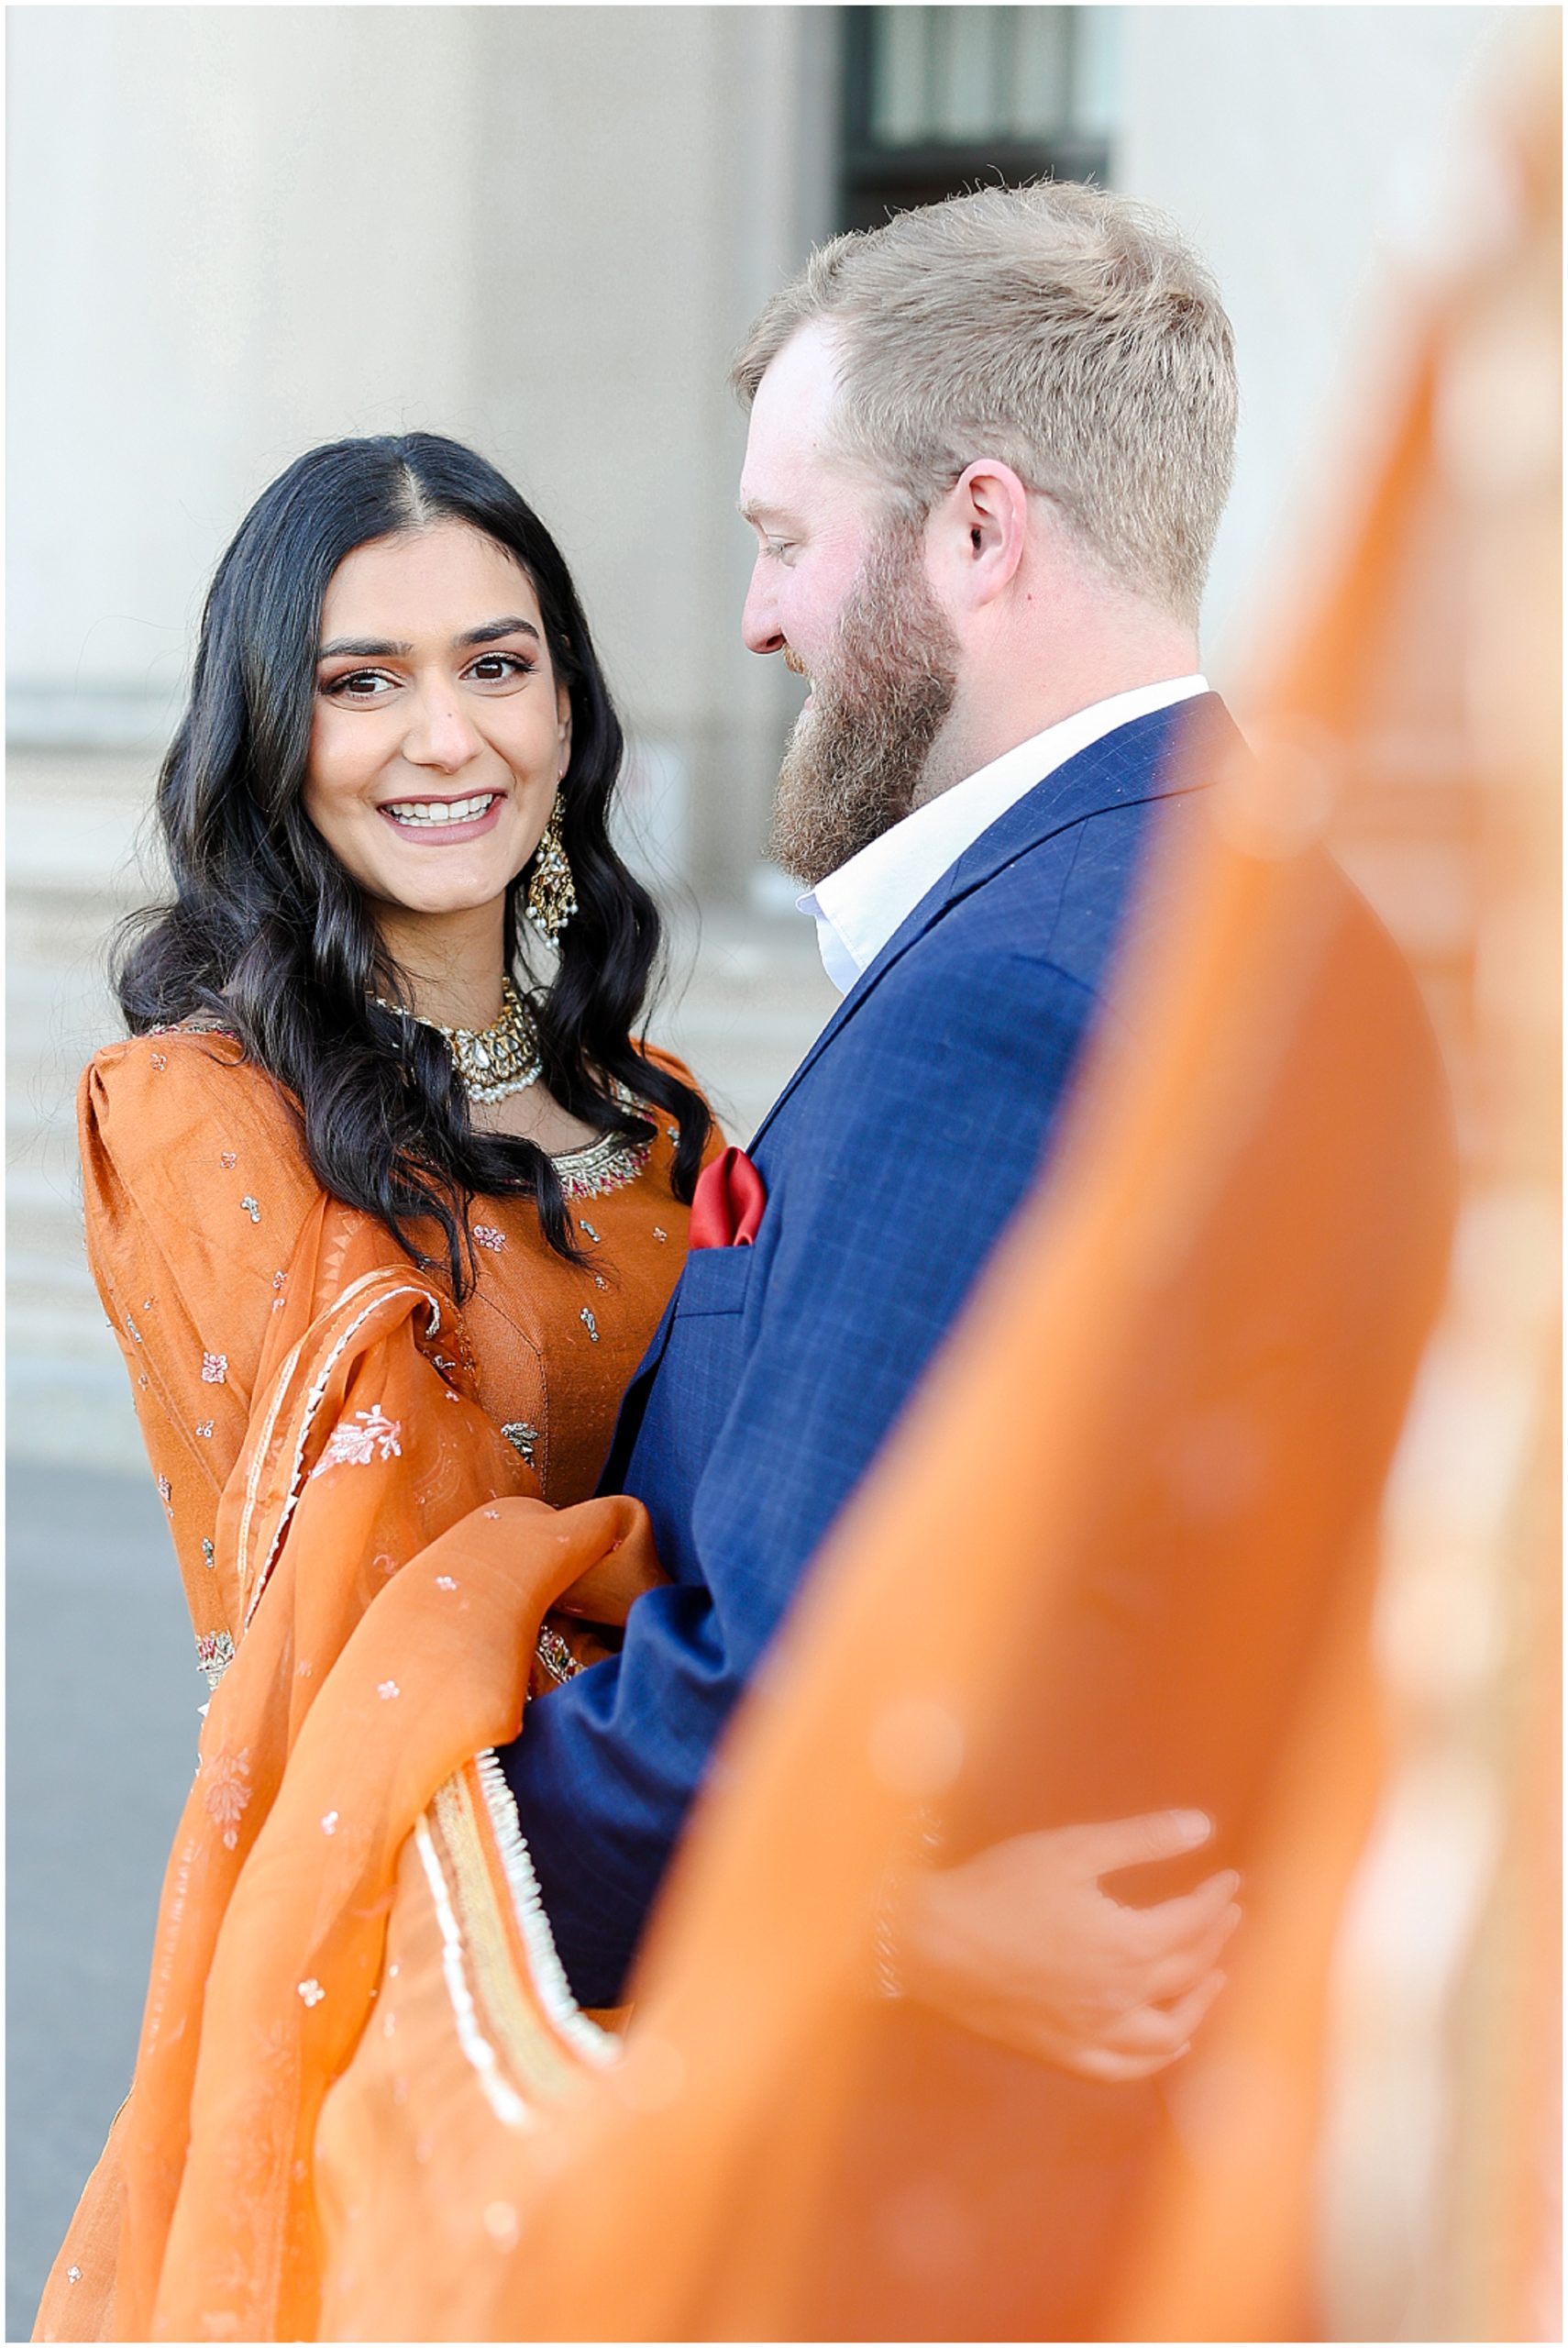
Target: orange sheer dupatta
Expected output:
[388,1564]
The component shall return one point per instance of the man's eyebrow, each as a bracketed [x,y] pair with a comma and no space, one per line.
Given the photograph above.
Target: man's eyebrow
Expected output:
[757,510]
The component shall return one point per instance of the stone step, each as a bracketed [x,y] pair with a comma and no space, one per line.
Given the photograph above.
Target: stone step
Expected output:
[40,776]
[43,1222]
[41,1132]
[41,1090]
[68,1408]
[40,1285]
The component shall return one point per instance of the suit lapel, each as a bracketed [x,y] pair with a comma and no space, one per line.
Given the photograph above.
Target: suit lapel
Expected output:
[1139,760]
[1172,750]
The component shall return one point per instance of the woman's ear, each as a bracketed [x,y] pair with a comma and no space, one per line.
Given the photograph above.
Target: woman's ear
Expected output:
[563,728]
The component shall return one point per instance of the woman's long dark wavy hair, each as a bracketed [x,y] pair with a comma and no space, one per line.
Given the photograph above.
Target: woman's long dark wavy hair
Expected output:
[268,937]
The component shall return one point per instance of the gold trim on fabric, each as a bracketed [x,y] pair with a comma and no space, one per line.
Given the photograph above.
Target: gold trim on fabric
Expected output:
[313,1402]
[504,2099]
[531,1921]
[258,1459]
[509,1994]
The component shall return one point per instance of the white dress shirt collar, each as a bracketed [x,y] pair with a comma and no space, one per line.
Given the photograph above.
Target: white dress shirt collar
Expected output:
[858,908]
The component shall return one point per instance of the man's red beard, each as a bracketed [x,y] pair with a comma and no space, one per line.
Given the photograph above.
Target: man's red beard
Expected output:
[858,752]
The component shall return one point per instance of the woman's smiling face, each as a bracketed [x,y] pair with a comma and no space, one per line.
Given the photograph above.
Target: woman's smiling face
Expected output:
[439,732]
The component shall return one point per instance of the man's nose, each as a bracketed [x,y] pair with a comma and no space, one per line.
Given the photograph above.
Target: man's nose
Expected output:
[441,735]
[760,630]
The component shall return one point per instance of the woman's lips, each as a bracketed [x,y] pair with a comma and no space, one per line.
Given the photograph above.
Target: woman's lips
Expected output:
[442,831]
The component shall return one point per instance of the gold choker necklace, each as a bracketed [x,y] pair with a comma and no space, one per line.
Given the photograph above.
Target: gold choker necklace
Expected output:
[492,1062]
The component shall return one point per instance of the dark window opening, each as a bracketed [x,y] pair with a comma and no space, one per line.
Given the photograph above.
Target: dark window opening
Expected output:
[940,100]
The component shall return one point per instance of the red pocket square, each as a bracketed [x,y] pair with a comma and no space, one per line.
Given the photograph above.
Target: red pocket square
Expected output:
[727,1204]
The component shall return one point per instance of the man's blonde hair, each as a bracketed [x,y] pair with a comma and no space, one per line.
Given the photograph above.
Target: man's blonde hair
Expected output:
[1065,331]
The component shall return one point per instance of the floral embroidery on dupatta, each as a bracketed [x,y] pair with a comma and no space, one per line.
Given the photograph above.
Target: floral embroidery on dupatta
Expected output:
[228,1793]
[353,1443]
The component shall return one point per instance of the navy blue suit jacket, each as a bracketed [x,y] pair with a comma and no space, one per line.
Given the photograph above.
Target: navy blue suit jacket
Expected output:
[892,1160]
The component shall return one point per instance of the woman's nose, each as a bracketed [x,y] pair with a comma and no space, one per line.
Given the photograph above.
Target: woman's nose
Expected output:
[440,736]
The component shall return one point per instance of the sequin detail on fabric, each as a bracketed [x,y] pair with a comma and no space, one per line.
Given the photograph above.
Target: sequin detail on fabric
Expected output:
[215,1651]
[613,1164]
[555,1655]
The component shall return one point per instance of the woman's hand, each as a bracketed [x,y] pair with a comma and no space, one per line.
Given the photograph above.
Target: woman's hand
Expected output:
[1021,1944]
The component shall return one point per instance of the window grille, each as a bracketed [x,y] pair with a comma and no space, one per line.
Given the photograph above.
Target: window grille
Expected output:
[938,100]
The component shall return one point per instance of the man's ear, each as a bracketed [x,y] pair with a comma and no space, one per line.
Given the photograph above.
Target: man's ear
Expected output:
[976,535]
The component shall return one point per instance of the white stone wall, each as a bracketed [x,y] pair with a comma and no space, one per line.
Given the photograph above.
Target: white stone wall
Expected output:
[237,231]
[1296,146]
[213,263]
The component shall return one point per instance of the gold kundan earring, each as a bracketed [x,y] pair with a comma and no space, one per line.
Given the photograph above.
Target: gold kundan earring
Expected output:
[551,900]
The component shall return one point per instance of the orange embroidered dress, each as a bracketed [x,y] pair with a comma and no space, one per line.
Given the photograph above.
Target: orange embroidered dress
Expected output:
[375,1499]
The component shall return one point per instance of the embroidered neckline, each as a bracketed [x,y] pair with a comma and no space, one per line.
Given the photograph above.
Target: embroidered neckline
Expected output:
[611,1163]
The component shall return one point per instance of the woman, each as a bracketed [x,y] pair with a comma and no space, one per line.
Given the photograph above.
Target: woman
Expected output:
[384,1226]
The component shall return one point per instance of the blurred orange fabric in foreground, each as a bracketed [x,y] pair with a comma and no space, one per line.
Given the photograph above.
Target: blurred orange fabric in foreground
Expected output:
[1124,1550]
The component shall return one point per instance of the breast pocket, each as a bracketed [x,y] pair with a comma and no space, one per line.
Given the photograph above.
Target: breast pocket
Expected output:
[715,1280]
[690,1397]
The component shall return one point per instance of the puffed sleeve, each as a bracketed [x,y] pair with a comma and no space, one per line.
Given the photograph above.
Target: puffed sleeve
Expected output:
[673,1066]
[195,1191]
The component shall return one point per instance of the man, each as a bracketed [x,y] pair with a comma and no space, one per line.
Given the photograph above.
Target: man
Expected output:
[988,449]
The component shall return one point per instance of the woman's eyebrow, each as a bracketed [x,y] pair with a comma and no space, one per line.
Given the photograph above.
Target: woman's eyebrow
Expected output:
[363,647]
[494,629]
[371,647]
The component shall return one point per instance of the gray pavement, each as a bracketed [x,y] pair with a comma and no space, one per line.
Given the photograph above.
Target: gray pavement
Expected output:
[101,1691]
